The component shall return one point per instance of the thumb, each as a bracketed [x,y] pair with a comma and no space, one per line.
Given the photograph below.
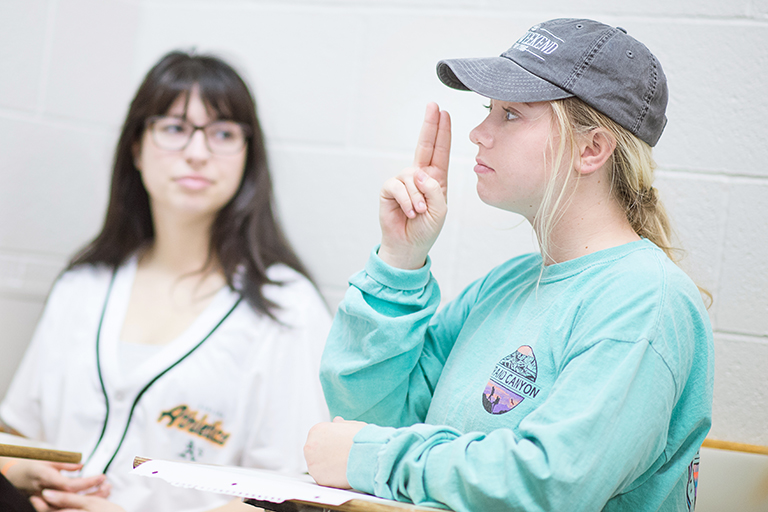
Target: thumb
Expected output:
[430,187]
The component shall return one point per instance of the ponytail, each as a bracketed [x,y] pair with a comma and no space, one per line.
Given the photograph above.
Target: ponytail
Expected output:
[632,174]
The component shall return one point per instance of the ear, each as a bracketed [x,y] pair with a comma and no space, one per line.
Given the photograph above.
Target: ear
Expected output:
[595,149]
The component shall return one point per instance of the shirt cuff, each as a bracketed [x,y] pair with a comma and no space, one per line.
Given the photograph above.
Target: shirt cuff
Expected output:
[363,457]
[397,278]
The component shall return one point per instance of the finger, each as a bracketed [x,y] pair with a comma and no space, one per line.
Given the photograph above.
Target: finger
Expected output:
[66,466]
[426,143]
[81,484]
[430,188]
[442,152]
[60,499]
[395,189]
[39,504]
[58,481]
[102,491]
[417,198]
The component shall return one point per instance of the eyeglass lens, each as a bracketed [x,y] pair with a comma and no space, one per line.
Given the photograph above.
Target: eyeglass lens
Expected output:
[221,137]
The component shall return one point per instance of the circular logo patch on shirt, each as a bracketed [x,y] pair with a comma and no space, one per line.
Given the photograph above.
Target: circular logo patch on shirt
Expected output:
[512,381]
[693,482]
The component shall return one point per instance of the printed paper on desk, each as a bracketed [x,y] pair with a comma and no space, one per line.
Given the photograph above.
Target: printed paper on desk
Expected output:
[257,484]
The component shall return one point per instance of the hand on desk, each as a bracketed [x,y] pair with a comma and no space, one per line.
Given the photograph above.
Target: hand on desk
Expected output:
[327,450]
[71,502]
[32,476]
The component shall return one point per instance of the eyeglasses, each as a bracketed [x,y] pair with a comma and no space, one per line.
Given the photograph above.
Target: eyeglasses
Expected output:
[221,137]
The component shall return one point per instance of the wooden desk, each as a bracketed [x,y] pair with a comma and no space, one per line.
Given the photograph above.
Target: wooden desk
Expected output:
[350,506]
[24,451]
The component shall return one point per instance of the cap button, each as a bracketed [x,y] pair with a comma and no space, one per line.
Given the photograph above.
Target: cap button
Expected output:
[622,29]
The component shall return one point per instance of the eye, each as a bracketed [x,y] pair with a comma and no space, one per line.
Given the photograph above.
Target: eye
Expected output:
[510,115]
[225,131]
[223,134]
[171,126]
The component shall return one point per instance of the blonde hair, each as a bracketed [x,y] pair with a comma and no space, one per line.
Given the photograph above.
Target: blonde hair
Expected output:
[632,175]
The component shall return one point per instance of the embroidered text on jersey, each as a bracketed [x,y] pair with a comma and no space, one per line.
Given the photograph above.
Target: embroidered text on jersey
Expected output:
[184,418]
[512,380]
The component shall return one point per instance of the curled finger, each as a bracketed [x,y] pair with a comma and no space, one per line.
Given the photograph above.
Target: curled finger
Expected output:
[430,187]
[396,189]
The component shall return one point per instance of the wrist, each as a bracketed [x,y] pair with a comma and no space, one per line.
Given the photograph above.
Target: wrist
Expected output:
[405,259]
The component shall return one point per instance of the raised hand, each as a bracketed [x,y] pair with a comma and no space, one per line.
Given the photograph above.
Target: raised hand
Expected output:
[412,205]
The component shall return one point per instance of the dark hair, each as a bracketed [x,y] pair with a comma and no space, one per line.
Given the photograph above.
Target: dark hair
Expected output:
[245,236]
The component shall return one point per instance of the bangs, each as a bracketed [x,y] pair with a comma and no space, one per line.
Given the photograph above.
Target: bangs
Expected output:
[225,95]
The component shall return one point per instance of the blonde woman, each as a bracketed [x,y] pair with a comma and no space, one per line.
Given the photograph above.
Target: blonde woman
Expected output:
[578,378]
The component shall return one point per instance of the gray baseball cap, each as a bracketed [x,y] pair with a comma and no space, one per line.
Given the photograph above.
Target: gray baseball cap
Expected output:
[599,64]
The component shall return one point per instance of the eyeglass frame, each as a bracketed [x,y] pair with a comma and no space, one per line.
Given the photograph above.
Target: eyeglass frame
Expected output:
[150,122]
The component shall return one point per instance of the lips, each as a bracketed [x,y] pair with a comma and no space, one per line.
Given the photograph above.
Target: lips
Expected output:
[193,182]
[482,168]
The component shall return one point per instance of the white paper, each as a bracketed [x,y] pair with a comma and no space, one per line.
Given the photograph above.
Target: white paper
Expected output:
[246,482]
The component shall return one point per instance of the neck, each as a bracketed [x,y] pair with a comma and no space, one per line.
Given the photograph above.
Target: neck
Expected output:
[592,221]
[180,246]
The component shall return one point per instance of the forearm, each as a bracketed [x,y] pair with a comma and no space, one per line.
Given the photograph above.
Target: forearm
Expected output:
[371,360]
[576,451]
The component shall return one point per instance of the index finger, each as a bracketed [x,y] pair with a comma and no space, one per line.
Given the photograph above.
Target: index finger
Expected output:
[442,152]
[425,146]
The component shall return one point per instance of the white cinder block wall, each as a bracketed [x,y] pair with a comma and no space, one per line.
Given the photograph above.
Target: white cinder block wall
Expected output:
[341,87]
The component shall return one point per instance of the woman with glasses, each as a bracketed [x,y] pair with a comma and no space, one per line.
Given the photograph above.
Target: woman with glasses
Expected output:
[187,329]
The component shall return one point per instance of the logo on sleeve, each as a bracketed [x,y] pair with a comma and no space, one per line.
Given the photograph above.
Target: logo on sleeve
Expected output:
[512,381]
[693,482]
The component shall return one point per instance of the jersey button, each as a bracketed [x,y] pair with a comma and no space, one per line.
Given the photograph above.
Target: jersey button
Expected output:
[119,396]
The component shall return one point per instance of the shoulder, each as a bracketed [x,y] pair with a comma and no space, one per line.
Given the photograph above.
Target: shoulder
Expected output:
[81,281]
[297,299]
[643,274]
[642,295]
[523,269]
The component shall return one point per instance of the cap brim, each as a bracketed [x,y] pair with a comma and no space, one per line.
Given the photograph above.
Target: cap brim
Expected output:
[498,78]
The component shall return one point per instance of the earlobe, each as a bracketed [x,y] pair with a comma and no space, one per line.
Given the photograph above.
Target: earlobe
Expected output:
[595,149]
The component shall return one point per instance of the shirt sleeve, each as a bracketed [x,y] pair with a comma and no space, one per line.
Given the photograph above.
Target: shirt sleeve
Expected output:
[387,345]
[597,432]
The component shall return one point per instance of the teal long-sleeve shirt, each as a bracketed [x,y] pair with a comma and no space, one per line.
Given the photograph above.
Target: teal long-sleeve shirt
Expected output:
[584,386]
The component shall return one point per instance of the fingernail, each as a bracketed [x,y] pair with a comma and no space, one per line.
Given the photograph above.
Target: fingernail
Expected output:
[48,493]
[422,204]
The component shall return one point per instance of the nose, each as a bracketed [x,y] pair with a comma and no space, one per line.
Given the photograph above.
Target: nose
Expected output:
[197,147]
[480,135]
